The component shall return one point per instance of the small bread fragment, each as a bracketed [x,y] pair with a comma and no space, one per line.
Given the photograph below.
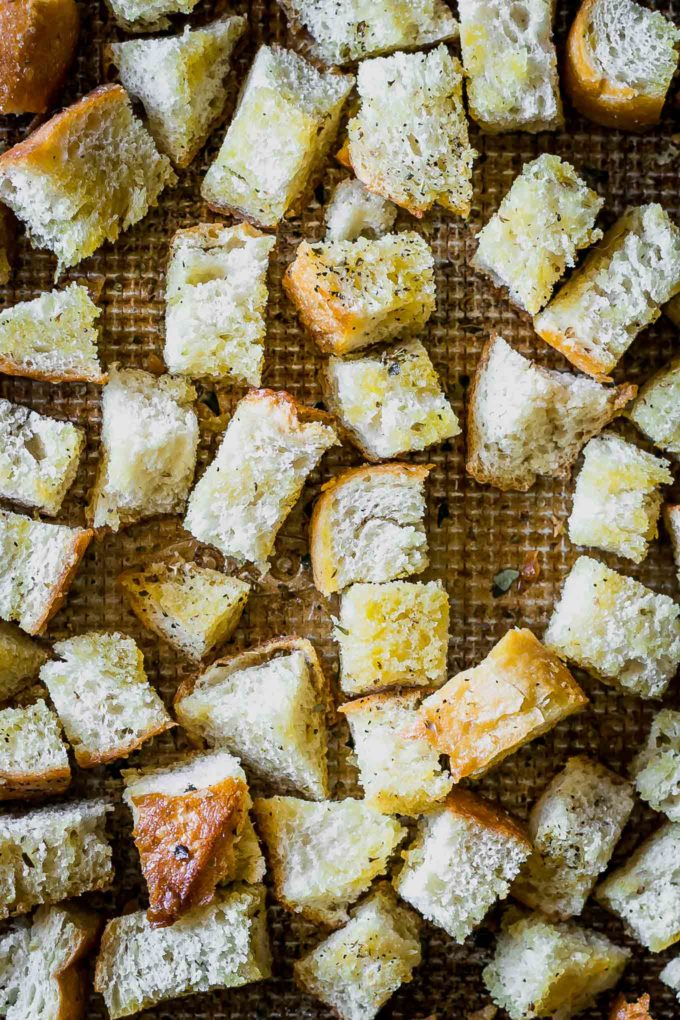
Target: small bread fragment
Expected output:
[623,1010]
[656,768]
[390,400]
[100,690]
[574,827]
[620,631]
[216,295]
[284,125]
[543,221]
[517,693]
[20,660]
[672,521]
[323,855]
[350,294]
[463,859]
[37,43]
[656,411]
[510,65]
[670,975]
[85,176]
[616,292]
[353,212]
[33,756]
[393,635]
[148,15]
[620,60]
[357,969]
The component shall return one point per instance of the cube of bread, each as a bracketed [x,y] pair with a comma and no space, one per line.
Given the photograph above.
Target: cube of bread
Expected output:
[656,768]
[510,65]
[620,60]
[350,294]
[526,421]
[546,969]
[38,564]
[33,756]
[268,706]
[464,857]
[390,400]
[85,176]
[574,827]
[53,337]
[547,216]
[357,969]
[223,945]
[368,525]
[617,499]
[51,853]
[100,690]
[149,469]
[670,975]
[623,1010]
[399,773]
[409,138]
[393,634]
[620,631]
[147,15]
[656,411]
[289,111]
[518,692]
[216,296]
[672,521]
[645,891]
[193,608]
[324,855]
[271,445]
[353,212]
[616,292]
[20,660]
[182,82]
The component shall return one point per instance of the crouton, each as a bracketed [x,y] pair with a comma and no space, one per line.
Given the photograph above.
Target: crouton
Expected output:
[147,15]
[656,768]
[20,660]
[656,411]
[39,39]
[355,212]
[33,757]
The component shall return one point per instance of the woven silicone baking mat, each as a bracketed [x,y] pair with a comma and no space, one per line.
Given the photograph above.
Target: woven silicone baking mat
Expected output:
[474,531]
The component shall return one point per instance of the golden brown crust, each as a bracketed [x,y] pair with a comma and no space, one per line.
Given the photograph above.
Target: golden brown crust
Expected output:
[404,695]
[26,785]
[622,1010]
[37,44]
[72,979]
[320,308]
[9,367]
[89,760]
[81,540]
[588,363]
[468,805]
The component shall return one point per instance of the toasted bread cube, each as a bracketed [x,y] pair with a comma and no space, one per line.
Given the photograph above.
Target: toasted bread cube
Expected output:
[20,660]
[350,294]
[645,891]
[357,969]
[355,212]
[518,692]
[50,853]
[623,1010]
[268,706]
[546,969]
[85,176]
[617,291]
[222,945]
[53,337]
[574,827]
[547,216]
[670,975]
[100,690]
[400,773]
[617,499]
[510,65]
[672,520]
[147,15]
[526,421]
[33,756]
[39,562]
[284,125]
[390,400]
[216,296]
[656,769]
[324,855]
[393,634]
[464,857]
[181,80]
[409,139]
[656,411]
[271,445]
[620,631]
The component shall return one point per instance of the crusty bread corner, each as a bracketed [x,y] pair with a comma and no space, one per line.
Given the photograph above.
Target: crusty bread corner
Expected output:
[38,44]
[466,804]
[34,760]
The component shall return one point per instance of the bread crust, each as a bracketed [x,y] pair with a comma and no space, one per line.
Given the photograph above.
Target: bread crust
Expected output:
[468,805]
[80,542]
[324,316]
[72,979]
[9,367]
[28,785]
[37,45]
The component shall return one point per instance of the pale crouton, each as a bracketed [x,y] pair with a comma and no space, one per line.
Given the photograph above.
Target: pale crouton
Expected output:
[271,445]
[391,635]
[617,291]
[20,660]
[656,411]
[389,400]
[284,125]
[547,216]
[656,769]
[526,421]
[463,859]
[517,693]
[324,855]
[268,706]
[355,212]
[147,15]
[85,176]
[148,448]
[100,690]
[574,827]
[216,295]
[33,756]
[670,975]
[672,521]
[350,294]
[620,631]
[356,970]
